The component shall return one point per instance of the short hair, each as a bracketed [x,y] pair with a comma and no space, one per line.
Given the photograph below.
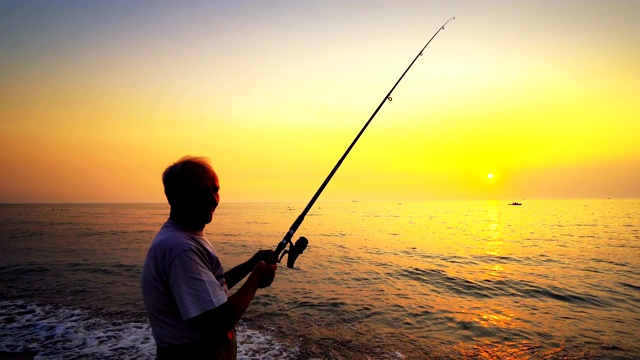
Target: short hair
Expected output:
[182,174]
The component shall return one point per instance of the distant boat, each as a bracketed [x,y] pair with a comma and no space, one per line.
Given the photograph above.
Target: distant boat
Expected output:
[515,203]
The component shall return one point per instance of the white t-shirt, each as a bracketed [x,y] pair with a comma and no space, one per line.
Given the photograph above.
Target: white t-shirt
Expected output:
[182,277]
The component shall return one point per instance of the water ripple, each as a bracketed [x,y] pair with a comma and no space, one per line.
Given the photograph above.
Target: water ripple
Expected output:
[492,288]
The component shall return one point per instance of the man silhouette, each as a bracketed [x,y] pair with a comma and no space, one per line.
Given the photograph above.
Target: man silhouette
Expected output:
[184,287]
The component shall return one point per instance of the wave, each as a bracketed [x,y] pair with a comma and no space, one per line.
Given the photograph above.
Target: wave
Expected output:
[15,272]
[630,286]
[54,332]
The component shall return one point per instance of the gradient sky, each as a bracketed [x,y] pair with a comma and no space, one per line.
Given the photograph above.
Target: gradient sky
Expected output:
[98,97]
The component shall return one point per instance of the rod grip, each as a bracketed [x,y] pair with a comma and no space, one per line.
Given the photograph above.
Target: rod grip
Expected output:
[276,253]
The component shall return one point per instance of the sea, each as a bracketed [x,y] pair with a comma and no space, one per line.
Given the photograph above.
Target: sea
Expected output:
[549,279]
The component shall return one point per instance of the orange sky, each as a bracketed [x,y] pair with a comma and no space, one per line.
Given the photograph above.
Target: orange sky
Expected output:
[97,98]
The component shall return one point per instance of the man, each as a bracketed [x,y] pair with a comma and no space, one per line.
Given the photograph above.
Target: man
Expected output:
[184,286]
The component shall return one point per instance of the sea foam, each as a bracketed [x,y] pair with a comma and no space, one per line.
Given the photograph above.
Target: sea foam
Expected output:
[57,332]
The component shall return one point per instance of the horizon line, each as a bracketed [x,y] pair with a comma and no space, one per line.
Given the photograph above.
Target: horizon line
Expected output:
[329,201]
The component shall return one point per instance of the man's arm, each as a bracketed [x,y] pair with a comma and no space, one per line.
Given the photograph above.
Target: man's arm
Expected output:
[220,320]
[235,275]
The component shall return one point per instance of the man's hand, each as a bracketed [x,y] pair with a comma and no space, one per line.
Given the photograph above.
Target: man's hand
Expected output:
[264,274]
[261,255]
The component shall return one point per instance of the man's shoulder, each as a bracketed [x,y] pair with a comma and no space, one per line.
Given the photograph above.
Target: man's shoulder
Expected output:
[171,236]
[173,240]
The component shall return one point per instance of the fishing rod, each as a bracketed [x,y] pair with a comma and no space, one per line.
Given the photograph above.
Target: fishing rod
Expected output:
[301,244]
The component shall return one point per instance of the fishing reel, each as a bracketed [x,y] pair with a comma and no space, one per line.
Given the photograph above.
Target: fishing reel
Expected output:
[294,251]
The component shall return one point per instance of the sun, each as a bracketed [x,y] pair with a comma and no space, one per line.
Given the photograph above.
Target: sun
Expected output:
[490,176]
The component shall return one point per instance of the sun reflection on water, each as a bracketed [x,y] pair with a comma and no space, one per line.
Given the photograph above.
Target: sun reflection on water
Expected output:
[510,350]
[495,271]
[501,317]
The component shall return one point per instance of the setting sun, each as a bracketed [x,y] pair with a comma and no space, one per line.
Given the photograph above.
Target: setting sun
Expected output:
[490,176]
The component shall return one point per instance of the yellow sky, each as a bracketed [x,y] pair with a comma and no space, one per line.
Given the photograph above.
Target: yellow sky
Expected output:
[97,98]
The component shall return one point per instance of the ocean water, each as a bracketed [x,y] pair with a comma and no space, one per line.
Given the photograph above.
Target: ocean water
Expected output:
[551,279]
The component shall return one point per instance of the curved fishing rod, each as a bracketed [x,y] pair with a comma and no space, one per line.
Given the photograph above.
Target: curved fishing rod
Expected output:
[300,245]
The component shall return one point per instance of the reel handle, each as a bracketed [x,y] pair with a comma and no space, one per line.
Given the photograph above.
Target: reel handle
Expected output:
[294,251]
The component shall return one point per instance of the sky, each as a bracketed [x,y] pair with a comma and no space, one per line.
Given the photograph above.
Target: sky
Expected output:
[97,98]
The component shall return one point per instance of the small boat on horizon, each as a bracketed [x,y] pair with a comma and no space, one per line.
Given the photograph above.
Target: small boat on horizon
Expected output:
[515,203]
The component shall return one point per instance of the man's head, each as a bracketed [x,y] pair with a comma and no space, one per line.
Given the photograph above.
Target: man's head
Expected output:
[191,187]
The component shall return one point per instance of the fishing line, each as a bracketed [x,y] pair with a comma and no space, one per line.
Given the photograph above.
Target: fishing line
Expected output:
[301,244]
